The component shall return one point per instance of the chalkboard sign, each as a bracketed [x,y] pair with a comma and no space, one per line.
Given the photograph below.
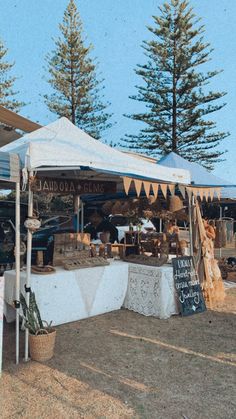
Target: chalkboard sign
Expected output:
[187,285]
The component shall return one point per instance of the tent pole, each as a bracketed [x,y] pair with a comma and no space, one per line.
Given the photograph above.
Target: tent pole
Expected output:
[82,217]
[190,198]
[17,267]
[220,219]
[28,264]
[77,204]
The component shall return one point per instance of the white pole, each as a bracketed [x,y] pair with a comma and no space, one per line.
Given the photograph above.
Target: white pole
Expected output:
[190,198]
[28,265]
[221,229]
[17,267]
[82,217]
[77,206]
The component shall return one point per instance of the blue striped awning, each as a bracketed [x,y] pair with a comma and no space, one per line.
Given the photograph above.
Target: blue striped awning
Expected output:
[9,167]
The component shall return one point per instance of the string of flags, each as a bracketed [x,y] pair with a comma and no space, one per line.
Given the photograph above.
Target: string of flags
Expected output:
[152,188]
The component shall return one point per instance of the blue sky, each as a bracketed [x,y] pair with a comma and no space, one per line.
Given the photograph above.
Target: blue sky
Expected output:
[116,29]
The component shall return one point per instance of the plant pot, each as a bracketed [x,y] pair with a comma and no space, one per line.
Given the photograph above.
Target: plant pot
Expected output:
[42,345]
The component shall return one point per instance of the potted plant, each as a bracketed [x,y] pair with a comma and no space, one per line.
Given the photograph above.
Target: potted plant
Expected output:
[41,334]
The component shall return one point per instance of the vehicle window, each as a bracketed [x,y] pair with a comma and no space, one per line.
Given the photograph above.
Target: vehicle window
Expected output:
[7,233]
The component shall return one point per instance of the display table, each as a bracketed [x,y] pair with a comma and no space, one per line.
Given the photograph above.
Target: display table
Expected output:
[67,296]
[151,291]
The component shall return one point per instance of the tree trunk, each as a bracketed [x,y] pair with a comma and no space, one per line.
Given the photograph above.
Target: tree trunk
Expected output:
[174,113]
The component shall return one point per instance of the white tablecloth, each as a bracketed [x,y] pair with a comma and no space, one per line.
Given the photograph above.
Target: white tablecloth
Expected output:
[151,291]
[67,296]
[1,317]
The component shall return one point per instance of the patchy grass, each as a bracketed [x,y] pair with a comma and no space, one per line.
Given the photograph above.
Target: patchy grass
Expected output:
[125,365]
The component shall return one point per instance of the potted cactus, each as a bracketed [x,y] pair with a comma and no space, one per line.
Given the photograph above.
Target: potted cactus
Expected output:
[41,334]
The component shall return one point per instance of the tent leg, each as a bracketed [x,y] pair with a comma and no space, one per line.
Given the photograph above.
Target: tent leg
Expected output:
[28,266]
[77,212]
[190,198]
[17,267]
[82,217]
[220,219]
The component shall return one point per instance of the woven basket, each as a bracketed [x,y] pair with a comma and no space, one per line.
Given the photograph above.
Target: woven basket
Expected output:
[175,203]
[42,345]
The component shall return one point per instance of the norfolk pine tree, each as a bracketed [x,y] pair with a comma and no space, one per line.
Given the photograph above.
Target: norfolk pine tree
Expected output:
[174,90]
[76,90]
[7,81]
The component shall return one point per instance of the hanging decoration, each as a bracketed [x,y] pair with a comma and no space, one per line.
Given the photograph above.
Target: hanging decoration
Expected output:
[138,186]
[203,192]
[147,187]
[172,189]
[127,182]
[182,190]
[164,189]
[155,189]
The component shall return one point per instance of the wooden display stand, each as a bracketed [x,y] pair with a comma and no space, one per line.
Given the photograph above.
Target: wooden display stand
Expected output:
[122,248]
[70,246]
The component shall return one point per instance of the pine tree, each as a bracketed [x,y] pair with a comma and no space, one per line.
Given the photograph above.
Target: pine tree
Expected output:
[76,90]
[7,81]
[174,90]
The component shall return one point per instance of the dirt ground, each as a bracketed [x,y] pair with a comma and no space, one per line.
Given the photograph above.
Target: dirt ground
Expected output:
[125,365]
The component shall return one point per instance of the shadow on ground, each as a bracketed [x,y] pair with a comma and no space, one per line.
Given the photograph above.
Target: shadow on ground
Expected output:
[125,365]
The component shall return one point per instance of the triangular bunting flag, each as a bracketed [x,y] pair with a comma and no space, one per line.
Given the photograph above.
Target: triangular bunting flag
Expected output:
[206,193]
[211,193]
[195,192]
[155,189]
[127,181]
[182,190]
[138,186]
[189,191]
[200,192]
[147,186]
[218,191]
[172,189]
[163,187]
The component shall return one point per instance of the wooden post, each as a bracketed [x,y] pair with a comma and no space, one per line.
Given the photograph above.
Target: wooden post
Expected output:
[190,200]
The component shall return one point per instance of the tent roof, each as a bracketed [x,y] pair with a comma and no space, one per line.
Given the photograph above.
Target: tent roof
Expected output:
[199,175]
[61,145]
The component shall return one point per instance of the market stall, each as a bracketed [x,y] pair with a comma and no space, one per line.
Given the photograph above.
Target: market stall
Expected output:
[60,158]
[10,178]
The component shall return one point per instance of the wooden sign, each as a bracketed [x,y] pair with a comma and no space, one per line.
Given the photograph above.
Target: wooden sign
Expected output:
[187,286]
[72,186]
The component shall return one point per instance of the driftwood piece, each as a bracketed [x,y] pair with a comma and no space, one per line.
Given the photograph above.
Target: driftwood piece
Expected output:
[147,260]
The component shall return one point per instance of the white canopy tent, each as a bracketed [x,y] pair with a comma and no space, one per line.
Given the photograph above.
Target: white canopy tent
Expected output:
[199,175]
[61,148]
[64,146]
[10,177]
